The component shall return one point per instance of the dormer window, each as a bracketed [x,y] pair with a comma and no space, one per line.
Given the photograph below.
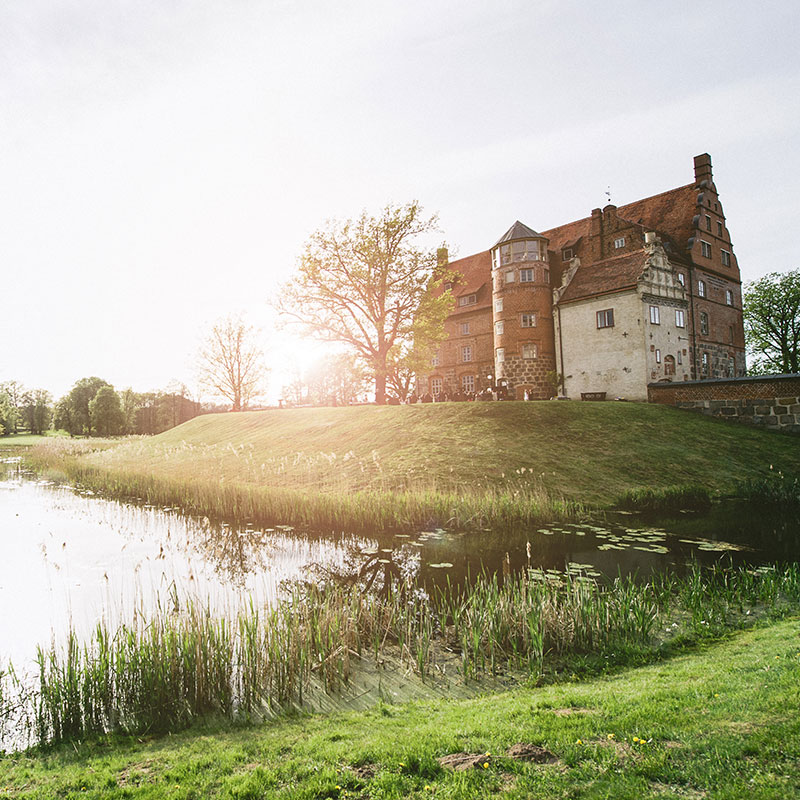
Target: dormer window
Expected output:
[448,286]
[619,242]
[566,254]
[467,300]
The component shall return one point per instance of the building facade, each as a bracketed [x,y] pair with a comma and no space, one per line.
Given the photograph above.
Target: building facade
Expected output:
[647,292]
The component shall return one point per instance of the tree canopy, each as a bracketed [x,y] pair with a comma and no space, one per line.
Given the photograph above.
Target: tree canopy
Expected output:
[771,310]
[367,283]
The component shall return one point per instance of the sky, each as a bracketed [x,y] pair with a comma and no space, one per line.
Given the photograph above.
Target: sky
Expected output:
[163,162]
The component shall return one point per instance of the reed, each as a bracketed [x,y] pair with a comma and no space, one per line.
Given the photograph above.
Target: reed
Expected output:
[162,671]
[776,491]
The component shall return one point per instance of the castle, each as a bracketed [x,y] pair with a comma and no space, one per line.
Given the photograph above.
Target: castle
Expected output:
[600,307]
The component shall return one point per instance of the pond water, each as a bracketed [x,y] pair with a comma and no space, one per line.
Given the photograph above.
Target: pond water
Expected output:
[68,557]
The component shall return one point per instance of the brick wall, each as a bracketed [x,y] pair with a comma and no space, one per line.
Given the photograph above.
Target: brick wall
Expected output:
[772,401]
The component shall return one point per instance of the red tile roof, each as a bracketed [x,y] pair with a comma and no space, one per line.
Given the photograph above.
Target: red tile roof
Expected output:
[670,212]
[476,272]
[605,277]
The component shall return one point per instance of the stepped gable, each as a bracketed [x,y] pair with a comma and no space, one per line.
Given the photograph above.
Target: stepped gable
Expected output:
[605,277]
[476,272]
[668,213]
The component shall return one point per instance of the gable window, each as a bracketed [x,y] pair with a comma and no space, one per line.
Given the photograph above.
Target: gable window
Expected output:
[704,363]
[705,249]
[464,328]
[510,276]
[655,315]
[701,288]
[728,297]
[680,318]
[526,276]
[719,229]
[530,350]
[436,386]
[681,279]
[468,383]
[704,323]
[501,355]
[658,356]
[527,320]
[498,304]
[466,353]
[499,327]
[605,319]
[726,258]
[566,254]
[619,242]
[708,222]
[467,300]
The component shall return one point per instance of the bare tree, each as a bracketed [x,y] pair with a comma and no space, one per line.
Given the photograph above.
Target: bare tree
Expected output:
[231,362]
[367,283]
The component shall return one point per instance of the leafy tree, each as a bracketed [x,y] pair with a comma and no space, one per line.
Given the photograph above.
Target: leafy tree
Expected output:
[13,391]
[72,412]
[105,412]
[231,362]
[337,380]
[37,410]
[8,415]
[772,323]
[366,283]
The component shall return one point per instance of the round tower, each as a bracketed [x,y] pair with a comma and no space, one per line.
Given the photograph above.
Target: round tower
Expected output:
[524,345]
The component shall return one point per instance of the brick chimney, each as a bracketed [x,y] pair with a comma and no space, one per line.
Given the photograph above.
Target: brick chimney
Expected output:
[596,235]
[702,168]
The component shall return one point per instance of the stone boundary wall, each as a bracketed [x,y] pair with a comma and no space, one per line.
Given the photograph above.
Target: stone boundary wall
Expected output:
[772,401]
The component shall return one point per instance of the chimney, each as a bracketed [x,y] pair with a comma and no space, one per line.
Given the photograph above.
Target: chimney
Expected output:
[596,235]
[702,168]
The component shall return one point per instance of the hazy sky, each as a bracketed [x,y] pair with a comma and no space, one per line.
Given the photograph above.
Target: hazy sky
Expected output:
[162,162]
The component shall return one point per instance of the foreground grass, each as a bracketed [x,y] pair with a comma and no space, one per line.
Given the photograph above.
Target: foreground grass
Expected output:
[722,722]
[450,464]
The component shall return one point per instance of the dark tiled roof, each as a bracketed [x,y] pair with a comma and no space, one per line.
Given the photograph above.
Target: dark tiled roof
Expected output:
[604,277]
[518,231]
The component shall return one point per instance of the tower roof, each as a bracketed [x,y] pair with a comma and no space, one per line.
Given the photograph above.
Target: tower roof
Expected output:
[518,231]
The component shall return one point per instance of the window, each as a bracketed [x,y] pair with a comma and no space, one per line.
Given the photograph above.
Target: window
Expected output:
[518,251]
[468,383]
[501,355]
[719,229]
[526,276]
[448,286]
[655,315]
[436,386]
[730,333]
[467,300]
[658,356]
[499,327]
[498,304]
[701,288]
[669,365]
[527,320]
[566,254]
[704,323]
[605,319]
[466,353]
[464,328]
[705,249]
[510,276]
[530,350]
[680,357]
[704,364]
[728,297]
[435,360]
[680,318]
[546,275]
[726,258]
[708,222]
[681,279]
[505,254]
[619,242]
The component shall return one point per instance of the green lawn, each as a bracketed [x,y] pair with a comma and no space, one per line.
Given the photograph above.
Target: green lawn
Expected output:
[721,722]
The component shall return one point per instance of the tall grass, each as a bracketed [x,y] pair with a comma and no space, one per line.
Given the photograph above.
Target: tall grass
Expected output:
[670,498]
[776,491]
[163,671]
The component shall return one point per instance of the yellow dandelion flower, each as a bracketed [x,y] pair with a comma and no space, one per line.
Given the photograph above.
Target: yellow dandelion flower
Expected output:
[486,765]
[578,742]
[610,736]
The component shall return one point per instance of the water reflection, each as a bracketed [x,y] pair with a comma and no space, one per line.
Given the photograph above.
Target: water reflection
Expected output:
[70,557]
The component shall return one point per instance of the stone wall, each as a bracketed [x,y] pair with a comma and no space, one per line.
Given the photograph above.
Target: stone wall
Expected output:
[772,401]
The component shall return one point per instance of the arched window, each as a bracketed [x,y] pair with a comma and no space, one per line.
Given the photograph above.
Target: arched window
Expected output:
[669,365]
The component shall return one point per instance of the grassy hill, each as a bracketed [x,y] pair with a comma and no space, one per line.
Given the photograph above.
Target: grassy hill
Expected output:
[460,463]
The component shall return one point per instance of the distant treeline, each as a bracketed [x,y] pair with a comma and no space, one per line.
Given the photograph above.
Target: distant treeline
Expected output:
[93,408]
